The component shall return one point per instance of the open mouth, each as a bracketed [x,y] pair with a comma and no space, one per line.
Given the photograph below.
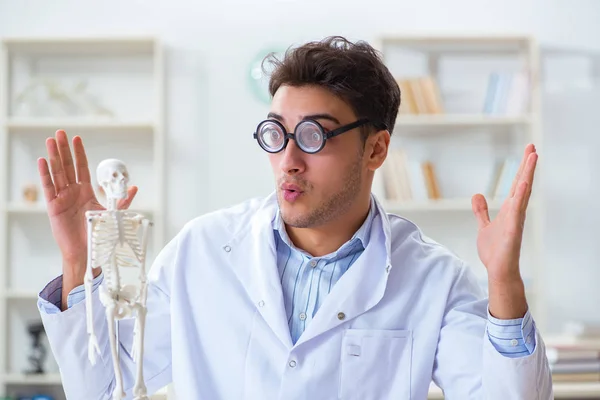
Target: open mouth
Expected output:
[291,194]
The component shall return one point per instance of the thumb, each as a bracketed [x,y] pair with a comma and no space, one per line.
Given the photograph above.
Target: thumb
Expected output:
[125,203]
[480,209]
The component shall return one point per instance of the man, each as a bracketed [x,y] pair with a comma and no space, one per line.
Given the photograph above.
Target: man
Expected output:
[313,292]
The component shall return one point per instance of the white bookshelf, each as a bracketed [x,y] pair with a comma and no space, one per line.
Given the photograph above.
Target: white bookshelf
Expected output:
[40,208]
[23,379]
[126,74]
[464,142]
[454,204]
[434,122]
[87,124]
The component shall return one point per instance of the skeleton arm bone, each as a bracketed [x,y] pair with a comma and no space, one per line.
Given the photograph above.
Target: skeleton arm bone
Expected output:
[138,347]
[146,224]
[138,248]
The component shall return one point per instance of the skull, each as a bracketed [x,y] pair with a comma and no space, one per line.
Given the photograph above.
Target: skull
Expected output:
[113,177]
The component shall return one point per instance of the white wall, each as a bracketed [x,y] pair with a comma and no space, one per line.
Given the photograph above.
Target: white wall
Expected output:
[213,161]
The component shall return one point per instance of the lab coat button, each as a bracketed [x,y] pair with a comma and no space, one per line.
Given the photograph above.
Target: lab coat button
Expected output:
[341,316]
[227,248]
[387,269]
[261,303]
[292,364]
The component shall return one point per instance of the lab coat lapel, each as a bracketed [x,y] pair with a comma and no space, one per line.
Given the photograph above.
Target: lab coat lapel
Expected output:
[254,260]
[360,288]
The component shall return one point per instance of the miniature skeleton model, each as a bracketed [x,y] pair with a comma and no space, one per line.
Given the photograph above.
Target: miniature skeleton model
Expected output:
[117,239]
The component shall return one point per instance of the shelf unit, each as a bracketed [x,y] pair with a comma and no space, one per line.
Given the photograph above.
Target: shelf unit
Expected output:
[137,136]
[455,62]
[463,128]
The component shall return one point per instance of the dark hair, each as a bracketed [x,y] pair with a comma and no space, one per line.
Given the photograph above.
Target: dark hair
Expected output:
[355,72]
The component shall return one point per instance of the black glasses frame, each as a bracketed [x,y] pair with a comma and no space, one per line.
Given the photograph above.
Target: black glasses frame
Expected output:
[289,135]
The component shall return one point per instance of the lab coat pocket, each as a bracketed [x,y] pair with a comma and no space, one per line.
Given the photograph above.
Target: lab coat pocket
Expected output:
[375,364]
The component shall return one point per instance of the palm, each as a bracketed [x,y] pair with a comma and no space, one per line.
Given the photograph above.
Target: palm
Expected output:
[499,241]
[69,194]
[67,217]
[77,196]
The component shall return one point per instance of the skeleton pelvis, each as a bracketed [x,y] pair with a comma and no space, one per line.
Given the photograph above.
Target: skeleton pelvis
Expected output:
[122,301]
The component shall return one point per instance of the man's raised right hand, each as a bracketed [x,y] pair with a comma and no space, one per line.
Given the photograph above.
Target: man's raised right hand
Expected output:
[69,194]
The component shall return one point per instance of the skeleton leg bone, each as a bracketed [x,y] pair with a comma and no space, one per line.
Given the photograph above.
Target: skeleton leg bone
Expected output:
[111,313]
[140,390]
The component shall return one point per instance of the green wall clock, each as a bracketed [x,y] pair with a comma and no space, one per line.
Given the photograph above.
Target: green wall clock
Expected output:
[258,80]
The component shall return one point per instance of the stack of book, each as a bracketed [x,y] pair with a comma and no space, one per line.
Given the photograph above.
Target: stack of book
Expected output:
[409,180]
[506,94]
[420,95]
[576,358]
[574,364]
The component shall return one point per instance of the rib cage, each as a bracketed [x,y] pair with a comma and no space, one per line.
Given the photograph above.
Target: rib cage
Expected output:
[107,239]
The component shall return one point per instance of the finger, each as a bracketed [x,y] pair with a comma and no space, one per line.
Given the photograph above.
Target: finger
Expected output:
[58,174]
[519,199]
[480,209]
[125,203]
[528,177]
[518,211]
[81,162]
[530,148]
[65,154]
[47,184]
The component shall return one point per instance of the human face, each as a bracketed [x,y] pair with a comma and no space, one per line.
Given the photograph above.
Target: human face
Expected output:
[313,189]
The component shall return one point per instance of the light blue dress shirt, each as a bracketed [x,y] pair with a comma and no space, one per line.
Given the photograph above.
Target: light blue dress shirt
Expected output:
[307,280]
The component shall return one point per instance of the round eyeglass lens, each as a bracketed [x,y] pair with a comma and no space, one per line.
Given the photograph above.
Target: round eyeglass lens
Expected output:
[309,136]
[271,135]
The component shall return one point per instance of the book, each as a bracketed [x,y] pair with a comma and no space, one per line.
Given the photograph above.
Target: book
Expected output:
[507,94]
[555,355]
[502,178]
[576,367]
[431,181]
[580,377]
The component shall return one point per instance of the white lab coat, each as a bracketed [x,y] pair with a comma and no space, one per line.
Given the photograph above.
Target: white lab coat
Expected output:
[407,311]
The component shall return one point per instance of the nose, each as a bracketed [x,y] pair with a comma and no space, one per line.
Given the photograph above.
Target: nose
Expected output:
[292,160]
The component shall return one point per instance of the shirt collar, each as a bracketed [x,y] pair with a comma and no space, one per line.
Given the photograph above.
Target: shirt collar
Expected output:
[362,235]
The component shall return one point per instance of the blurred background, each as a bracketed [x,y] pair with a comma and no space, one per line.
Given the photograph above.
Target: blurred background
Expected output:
[175,90]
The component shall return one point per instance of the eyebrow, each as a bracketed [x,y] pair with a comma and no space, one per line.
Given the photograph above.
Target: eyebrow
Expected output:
[312,116]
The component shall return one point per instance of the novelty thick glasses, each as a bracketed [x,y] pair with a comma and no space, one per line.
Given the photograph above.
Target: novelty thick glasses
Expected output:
[309,135]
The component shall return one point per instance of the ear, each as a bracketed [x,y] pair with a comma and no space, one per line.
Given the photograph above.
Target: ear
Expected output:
[376,149]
